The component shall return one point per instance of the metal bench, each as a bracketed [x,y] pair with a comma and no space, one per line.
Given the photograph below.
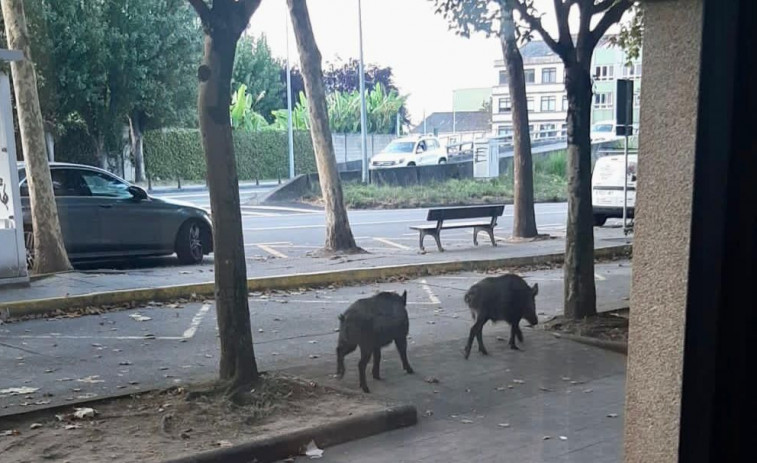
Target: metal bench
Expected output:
[442,214]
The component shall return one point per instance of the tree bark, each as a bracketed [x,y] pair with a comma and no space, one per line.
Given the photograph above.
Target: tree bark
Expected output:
[49,252]
[580,291]
[50,146]
[339,236]
[524,218]
[137,145]
[223,25]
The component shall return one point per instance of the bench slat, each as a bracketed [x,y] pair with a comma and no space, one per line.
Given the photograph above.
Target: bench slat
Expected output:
[451,225]
[465,212]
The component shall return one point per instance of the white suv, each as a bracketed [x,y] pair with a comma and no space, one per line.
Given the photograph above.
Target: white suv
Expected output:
[410,151]
[607,187]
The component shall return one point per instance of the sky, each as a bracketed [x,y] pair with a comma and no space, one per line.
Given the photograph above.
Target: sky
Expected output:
[428,60]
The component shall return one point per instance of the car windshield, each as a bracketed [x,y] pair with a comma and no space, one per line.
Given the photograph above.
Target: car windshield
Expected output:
[603,128]
[399,147]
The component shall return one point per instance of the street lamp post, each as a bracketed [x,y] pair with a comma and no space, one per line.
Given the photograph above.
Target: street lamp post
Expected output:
[363,116]
[289,107]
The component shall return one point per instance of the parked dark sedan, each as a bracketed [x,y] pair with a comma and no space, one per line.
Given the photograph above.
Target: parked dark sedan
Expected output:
[105,217]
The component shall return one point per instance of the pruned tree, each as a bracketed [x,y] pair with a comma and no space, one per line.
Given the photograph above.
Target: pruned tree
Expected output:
[49,252]
[575,50]
[495,18]
[339,236]
[223,24]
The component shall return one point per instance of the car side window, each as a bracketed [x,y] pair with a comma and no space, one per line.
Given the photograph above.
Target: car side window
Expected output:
[105,186]
[421,146]
[432,144]
[67,182]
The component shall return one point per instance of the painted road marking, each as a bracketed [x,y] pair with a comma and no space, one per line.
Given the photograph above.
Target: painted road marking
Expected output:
[196,320]
[271,243]
[272,251]
[392,243]
[120,338]
[431,296]
[599,277]
[287,209]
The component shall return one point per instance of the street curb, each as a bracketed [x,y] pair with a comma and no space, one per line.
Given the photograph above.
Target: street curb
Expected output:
[614,346]
[354,275]
[338,432]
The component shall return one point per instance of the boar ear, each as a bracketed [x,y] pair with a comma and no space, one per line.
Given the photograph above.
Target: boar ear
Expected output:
[404,297]
[535,289]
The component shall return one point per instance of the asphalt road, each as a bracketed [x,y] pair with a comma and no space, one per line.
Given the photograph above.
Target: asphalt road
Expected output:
[281,231]
[70,359]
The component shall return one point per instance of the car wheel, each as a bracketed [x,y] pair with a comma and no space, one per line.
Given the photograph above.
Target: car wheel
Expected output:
[29,244]
[599,220]
[442,161]
[411,164]
[189,243]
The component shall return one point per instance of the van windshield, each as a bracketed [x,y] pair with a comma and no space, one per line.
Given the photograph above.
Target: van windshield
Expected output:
[399,147]
[603,128]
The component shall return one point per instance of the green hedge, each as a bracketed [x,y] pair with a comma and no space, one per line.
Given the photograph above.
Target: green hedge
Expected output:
[178,153]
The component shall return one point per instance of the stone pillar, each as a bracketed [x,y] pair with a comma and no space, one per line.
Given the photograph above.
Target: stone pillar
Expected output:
[669,102]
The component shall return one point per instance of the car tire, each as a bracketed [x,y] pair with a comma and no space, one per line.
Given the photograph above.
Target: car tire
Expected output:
[189,243]
[442,161]
[599,220]
[410,164]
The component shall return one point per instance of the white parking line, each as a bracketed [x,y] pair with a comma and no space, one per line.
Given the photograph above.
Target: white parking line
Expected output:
[392,243]
[272,251]
[431,296]
[287,209]
[196,320]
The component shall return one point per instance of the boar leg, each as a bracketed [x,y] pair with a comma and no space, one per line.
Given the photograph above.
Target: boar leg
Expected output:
[480,338]
[513,330]
[475,329]
[341,351]
[365,357]
[376,362]
[401,343]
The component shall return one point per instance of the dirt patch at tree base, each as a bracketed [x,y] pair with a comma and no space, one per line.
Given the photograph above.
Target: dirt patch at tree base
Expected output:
[157,426]
[605,327]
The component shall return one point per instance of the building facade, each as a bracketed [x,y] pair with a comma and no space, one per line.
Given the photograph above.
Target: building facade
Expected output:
[545,89]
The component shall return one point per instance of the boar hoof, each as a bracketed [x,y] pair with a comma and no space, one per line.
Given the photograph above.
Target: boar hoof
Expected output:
[365,389]
[409,371]
[514,347]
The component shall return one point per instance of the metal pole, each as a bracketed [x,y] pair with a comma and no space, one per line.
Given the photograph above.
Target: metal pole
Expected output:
[625,182]
[398,124]
[363,115]
[424,122]
[289,108]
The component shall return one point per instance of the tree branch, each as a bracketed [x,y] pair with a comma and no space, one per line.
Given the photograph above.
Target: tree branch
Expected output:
[561,11]
[202,9]
[535,24]
[602,6]
[612,16]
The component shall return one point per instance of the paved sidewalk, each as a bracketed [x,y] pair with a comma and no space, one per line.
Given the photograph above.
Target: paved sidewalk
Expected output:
[170,274]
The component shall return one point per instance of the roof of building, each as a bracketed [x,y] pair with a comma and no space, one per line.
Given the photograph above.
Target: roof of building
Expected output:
[464,121]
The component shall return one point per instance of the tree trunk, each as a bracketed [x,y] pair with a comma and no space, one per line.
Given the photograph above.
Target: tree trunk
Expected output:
[137,146]
[50,146]
[339,236]
[49,252]
[524,218]
[100,154]
[237,365]
[580,291]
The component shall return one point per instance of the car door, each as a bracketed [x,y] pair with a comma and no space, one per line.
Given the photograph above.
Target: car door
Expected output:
[421,151]
[128,225]
[79,221]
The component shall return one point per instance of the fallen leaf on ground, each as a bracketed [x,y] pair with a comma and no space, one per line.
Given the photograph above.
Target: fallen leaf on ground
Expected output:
[563,438]
[546,438]
[518,381]
[18,391]
[612,415]
[224,443]
[504,425]
[90,379]
[11,432]
[313,451]
[139,317]
[500,338]
[545,389]
[313,356]
[72,426]
[429,413]
[35,426]
[432,380]
[84,412]
[466,421]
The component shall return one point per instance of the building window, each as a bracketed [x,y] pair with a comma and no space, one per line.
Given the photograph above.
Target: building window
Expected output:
[504,105]
[530,75]
[549,75]
[632,71]
[603,100]
[502,77]
[548,103]
[530,103]
[604,72]
[547,131]
[530,129]
[565,102]
[504,130]
[564,130]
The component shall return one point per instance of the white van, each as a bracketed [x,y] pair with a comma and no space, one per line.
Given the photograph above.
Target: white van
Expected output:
[410,151]
[607,187]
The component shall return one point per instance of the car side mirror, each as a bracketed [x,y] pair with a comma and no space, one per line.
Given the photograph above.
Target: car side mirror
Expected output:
[138,193]
[418,150]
